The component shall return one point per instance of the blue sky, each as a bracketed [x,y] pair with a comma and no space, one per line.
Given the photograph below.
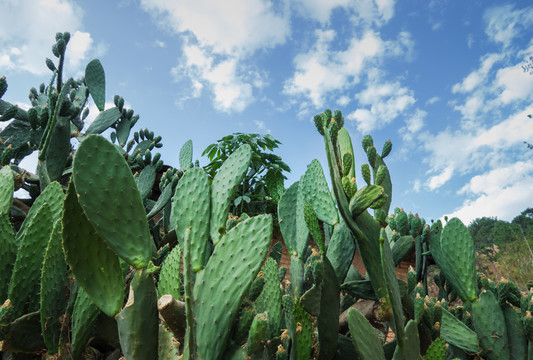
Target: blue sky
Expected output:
[442,79]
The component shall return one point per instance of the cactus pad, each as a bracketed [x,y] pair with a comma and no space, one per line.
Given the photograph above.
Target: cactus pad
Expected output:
[315,190]
[231,269]
[95,266]
[95,80]
[109,197]
[224,185]
[190,209]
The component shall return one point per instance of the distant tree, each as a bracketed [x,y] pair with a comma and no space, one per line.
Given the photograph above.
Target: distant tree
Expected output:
[525,221]
[489,231]
[262,185]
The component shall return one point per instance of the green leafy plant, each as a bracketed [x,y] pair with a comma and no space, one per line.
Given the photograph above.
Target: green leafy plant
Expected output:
[262,186]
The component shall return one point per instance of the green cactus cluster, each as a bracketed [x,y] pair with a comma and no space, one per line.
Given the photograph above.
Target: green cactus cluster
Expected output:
[108,260]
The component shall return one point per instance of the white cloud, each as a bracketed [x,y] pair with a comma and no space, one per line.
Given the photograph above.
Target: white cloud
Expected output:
[413,125]
[229,81]
[489,88]
[464,152]
[513,84]
[230,27]
[78,47]
[470,41]
[262,126]
[322,71]
[504,22]
[501,193]
[438,180]
[381,103]
[497,179]
[27,33]
[360,11]
[433,100]
[343,100]
[219,38]
[477,77]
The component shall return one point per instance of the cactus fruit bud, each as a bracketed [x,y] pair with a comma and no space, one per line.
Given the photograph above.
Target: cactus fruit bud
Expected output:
[367,141]
[387,147]
[156,158]
[120,103]
[148,157]
[327,114]
[402,223]
[411,280]
[147,134]
[136,136]
[371,153]
[10,113]
[33,91]
[349,186]
[337,115]
[41,88]
[115,100]
[7,155]
[346,163]
[3,86]
[66,37]
[365,169]
[134,121]
[416,226]
[158,165]
[391,220]
[346,185]
[141,134]
[380,175]
[129,114]
[333,131]
[33,118]
[113,137]
[50,65]
[319,124]
[85,114]
[44,119]
[55,50]
[130,145]
[61,46]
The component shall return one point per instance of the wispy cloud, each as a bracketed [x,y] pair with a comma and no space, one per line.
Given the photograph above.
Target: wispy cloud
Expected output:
[323,71]
[505,22]
[24,44]
[381,103]
[467,152]
[360,11]
[261,126]
[218,39]
[413,125]
[504,191]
